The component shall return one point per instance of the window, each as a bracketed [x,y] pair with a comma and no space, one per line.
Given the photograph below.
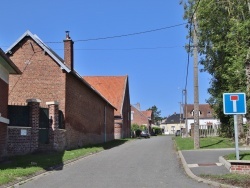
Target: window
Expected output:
[132,115]
[173,129]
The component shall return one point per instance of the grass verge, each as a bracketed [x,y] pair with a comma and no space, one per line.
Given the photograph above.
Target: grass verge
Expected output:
[230,179]
[243,155]
[20,167]
[205,143]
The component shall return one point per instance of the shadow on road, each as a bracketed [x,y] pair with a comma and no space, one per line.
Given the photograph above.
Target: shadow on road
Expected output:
[112,144]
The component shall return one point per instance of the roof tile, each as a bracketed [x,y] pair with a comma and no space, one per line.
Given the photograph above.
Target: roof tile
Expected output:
[111,87]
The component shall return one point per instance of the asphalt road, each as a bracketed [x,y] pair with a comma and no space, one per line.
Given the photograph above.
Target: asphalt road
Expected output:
[144,163]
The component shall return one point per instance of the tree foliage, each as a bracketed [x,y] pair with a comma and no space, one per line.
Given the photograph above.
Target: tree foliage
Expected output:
[156,114]
[224,41]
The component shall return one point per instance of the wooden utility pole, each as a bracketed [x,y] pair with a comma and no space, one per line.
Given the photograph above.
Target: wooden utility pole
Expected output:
[180,120]
[196,87]
[185,112]
[248,84]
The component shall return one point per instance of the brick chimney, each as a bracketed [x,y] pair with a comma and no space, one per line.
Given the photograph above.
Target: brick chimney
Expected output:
[68,51]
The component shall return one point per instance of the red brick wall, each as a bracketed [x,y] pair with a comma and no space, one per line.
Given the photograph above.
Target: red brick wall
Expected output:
[240,168]
[41,77]
[19,144]
[126,111]
[3,139]
[3,98]
[3,111]
[84,117]
[138,117]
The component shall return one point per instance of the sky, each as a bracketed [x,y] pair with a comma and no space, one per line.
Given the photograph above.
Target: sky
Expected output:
[155,62]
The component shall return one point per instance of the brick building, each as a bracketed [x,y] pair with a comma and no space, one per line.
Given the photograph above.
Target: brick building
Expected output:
[88,116]
[141,117]
[6,67]
[116,90]
[137,117]
[206,116]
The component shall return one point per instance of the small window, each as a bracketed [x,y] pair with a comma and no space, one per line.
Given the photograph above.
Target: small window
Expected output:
[132,115]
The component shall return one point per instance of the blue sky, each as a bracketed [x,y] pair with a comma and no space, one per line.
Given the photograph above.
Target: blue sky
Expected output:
[156,62]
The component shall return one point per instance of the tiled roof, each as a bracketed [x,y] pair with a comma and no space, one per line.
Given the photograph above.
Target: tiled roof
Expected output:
[205,111]
[111,87]
[175,118]
[147,113]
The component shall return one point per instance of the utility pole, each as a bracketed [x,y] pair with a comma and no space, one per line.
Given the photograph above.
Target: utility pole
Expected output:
[248,84]
[196,88]
[180,119]
[185,112]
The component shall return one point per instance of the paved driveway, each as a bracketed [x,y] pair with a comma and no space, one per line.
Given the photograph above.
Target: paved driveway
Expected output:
[144,163]
[206,161]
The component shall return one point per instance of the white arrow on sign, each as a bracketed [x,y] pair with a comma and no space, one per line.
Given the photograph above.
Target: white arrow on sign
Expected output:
[234,99]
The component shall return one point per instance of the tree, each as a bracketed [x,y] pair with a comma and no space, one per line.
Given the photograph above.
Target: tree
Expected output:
[224,43]
[156,114]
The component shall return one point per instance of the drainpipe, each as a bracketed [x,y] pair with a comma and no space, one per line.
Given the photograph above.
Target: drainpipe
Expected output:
[105,122]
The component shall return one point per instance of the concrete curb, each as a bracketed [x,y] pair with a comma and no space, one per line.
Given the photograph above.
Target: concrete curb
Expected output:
[225,162]
[190,174]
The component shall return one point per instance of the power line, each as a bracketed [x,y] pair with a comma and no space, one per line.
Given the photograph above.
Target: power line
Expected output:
[125,35]
[126,49]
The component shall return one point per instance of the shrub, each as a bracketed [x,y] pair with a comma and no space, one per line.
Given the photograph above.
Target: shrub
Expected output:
[157,130]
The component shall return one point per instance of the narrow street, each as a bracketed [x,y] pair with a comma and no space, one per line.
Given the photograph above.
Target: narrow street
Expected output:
[144,163]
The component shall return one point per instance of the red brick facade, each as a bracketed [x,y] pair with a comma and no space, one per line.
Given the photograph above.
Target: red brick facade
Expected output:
[126,115]
[3,112]
[44,78]
[3,139]
[85,108]
[3,98]
[240,167]
[137,117]
[6,67]
[116,90]
[41,77]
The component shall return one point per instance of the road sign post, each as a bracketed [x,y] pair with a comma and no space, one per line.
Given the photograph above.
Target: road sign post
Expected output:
[233,104]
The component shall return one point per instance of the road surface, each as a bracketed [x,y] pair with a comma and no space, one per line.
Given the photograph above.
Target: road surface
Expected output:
[143,163]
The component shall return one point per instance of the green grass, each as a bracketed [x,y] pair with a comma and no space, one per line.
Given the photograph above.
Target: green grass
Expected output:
[238,180]
[205,143]
[19,167]
[244,155]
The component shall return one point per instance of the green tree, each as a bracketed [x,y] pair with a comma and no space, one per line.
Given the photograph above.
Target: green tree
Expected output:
[224,41]
[156,114]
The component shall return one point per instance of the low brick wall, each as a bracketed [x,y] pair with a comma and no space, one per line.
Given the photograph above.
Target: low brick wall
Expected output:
[118,131]
[239,167]
[19,140]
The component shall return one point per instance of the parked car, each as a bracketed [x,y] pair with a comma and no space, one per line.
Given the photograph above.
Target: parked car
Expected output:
[178,133]
[145,134]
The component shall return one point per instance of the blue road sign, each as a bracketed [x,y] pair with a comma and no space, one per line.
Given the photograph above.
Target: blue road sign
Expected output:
[234,103]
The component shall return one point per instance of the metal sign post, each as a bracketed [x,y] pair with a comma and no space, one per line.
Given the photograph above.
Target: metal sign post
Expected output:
[233,104]
[236,138]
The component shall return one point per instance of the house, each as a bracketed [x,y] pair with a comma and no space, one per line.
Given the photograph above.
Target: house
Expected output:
[6,67]
[206,116]
[88,117]
[150,115]
[116,90]
[141,117]
[173,123]
[138,117]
